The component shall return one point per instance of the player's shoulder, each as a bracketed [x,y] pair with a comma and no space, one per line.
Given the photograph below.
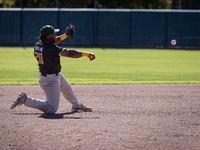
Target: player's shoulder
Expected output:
[51,46]
[38,46]
[38,43]
[58,47]
[47,46]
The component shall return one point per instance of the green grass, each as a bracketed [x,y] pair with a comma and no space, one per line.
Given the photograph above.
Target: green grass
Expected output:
[111,66]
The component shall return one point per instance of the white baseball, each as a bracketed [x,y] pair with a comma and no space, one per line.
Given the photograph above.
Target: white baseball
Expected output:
[173,42]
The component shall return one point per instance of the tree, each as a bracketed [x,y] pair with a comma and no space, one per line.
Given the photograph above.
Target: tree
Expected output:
[129,4]
[185,4]
[8,3]
[136,4]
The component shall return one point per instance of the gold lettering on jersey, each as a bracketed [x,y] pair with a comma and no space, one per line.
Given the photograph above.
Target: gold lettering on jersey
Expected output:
[39,57]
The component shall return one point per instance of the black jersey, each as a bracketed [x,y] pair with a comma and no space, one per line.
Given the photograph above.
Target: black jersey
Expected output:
[48,57]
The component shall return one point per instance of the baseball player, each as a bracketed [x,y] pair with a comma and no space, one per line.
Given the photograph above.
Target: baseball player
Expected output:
[47,53]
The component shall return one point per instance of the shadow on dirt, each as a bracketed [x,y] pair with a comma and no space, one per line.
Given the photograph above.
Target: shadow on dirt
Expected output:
[64,116]
[57,116]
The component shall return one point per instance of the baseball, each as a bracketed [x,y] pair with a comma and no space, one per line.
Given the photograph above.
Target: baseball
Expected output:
[173,42]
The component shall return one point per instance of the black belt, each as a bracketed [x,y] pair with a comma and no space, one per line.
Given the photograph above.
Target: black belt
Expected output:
[45,75]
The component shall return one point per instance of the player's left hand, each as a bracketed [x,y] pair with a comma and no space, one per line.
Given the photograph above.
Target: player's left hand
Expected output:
[70,30]
[91,56]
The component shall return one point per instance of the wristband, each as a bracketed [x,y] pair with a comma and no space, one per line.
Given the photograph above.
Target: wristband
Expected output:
[85,53]
[62,37]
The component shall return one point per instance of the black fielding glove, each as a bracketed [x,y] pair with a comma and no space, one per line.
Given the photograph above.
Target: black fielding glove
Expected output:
[70,30]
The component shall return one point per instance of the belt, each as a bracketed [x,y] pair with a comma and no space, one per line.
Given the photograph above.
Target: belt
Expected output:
[45,75]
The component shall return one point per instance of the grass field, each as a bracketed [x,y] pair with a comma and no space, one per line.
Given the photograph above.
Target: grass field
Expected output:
[111,66]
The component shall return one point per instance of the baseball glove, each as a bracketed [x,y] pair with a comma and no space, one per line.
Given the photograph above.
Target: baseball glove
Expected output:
[70,30]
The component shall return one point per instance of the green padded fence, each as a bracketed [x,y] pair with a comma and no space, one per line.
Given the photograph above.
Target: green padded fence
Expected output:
[103,27]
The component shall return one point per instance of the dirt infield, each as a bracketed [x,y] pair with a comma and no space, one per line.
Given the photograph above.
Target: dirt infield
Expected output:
[136,117]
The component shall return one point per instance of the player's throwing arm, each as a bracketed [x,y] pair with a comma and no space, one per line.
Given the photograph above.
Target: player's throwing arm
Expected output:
[76,54]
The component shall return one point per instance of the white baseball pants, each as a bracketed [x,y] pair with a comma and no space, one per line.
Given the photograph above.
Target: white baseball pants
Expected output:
[52,86]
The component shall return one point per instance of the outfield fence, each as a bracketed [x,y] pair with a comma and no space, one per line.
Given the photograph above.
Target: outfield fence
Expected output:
[104,27]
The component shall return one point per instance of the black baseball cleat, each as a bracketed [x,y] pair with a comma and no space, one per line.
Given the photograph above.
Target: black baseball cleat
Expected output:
[82,107]
[20,100]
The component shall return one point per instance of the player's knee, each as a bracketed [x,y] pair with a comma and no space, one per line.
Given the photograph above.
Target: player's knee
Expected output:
[50,109]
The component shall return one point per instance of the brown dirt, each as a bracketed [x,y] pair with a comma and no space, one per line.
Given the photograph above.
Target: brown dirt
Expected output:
[137,116]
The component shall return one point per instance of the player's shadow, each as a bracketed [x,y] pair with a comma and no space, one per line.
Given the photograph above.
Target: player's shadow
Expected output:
[58,116]
[64,116]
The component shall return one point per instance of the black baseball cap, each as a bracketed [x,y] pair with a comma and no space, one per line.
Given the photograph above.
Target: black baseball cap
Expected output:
[48,29]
